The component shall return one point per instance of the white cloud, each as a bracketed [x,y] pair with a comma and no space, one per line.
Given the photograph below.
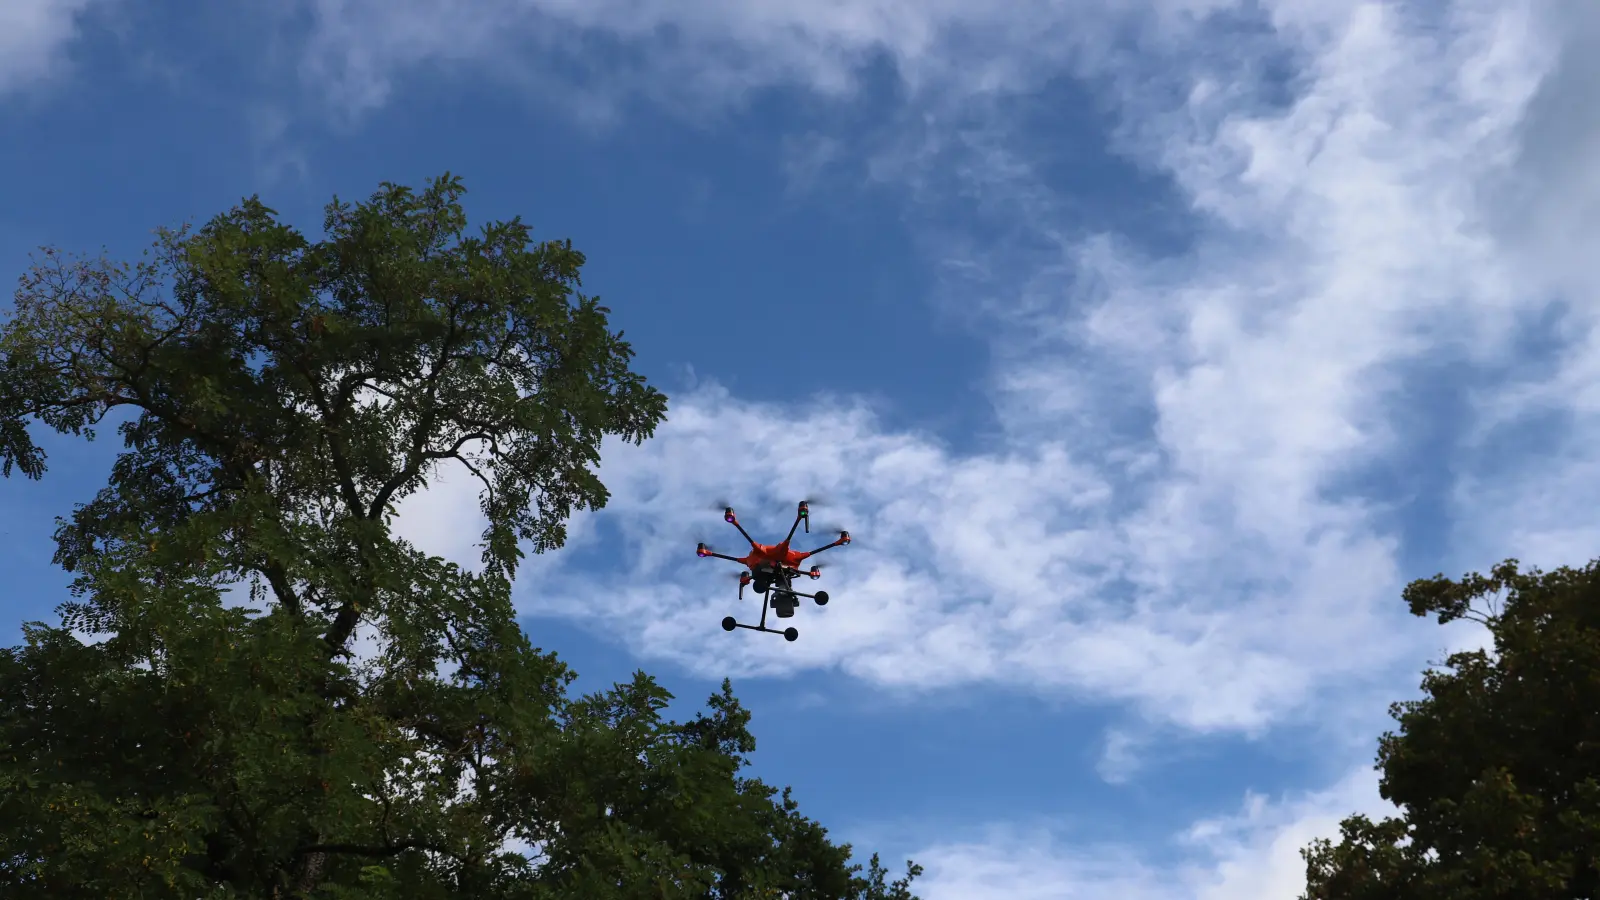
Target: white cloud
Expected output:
[1545,209]
[33,36]
[1121,755]
[1174,523]
[704,55]
[1251,854]
[721,48]
[1018,568]
[1017,866]
[1205,567]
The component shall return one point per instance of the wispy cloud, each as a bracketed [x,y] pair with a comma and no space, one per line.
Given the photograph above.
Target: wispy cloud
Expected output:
[1209,559]
[34,36]
[1531,474]
[703,51]
[1017,568]
[1252,853]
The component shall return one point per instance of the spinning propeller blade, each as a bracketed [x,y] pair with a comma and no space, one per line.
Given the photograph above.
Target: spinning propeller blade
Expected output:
[724,507]
[834,530]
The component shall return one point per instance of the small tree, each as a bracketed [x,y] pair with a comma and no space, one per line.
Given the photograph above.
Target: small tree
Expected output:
[279,396]
[1497,769]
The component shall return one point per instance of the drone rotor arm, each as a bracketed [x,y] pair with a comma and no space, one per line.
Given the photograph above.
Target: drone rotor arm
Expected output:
[797,520]
[704,553]
[809,553]
[732,518]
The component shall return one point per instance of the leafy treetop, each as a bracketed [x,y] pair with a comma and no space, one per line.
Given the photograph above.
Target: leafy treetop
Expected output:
[277,396]
[1496,770]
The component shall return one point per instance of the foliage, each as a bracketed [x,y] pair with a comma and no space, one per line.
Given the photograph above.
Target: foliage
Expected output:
[1496,770]
[278,397]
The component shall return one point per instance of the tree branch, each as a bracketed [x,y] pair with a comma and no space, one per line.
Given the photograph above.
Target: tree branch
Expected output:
[414,465]
[278,578]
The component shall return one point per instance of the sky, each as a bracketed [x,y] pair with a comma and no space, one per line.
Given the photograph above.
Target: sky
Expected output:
[1147,349]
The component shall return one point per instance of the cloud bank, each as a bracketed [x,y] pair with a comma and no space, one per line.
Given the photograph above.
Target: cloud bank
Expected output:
[1199,506]
[1219,466]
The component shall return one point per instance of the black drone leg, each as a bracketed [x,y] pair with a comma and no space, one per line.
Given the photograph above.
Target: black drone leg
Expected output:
[789,634]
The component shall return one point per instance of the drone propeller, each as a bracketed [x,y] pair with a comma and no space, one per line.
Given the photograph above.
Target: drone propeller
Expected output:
[721,506]
[810,503]
[833,529]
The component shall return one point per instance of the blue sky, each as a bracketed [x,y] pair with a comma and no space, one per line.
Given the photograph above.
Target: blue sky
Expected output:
[1147,348]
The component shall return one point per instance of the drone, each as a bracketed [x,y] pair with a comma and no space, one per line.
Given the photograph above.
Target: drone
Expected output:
[772,570]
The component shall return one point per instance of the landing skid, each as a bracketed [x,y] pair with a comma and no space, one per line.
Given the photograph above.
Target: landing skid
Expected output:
[789,634]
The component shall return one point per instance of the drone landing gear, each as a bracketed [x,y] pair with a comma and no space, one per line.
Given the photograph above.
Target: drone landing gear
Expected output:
[789,634]
[784,602]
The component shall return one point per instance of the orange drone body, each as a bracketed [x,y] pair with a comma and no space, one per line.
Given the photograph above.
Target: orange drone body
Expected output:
[778,555]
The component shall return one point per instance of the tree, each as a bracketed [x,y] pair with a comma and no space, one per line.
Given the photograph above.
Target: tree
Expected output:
[1496,771]
[277,397]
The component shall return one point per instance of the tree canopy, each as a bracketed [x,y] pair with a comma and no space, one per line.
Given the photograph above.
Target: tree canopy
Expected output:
[1496,770]
[276,397]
